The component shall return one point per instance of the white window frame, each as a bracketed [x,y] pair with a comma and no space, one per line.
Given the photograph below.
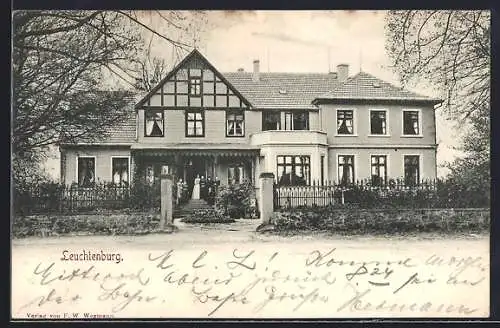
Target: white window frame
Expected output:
[95,166]
[387,166]
[354,123]
[356,177]
[234,166]
[420,165]
[230,112]
[387,122]
[420,134]
[111,166]
[163,121]
[295,155]
[283,123]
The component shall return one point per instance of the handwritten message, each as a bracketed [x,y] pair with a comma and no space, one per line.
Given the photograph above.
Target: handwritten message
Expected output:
[244,282]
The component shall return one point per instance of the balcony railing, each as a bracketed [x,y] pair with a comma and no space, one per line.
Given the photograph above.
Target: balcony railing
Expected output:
[288,136]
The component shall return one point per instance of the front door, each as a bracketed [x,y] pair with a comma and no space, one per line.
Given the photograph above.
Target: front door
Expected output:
[194,167]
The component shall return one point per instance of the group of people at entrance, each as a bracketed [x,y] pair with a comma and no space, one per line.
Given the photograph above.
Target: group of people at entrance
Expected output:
[203,188]
[196,188]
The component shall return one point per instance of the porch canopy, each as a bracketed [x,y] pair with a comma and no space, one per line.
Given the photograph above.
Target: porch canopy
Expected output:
[196,149]
[227,162]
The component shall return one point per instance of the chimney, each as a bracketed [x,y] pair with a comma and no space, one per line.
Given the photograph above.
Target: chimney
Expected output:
[241,70]
[342,72]
[256,67]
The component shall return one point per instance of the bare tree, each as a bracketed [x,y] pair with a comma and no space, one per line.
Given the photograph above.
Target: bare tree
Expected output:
[451,49]
[61,61]
[189,26]
[57,61]
[150,70]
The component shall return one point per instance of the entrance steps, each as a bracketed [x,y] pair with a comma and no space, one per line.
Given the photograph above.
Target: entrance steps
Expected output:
[190,207]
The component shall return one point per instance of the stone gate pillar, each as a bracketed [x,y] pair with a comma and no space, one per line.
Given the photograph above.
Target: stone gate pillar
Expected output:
[266,205]
[166,212]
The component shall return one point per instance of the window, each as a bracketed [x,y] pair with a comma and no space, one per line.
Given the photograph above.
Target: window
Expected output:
[194,124]
[411,123]
[235,174]
[378,122]
[150,174]
[297,121]
[195,86]
[412,170]
[346,169]
[153,123]
[86,171]
[288,121]
[379,170]
[294,170]
[235,124]
[271,121]
[345,122]
[119,170]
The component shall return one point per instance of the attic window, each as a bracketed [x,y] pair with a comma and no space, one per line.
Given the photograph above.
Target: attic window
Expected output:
[282,92]
[376,85]
[195,86]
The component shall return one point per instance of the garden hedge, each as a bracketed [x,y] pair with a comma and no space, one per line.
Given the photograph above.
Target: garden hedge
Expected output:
[383,221]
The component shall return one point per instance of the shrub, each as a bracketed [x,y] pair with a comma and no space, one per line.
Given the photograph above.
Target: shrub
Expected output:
[207,216]
[440,193]
[237,201]
[389,221]
[143,195]
[84,224]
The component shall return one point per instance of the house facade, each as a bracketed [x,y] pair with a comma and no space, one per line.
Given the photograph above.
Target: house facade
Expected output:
[303,127]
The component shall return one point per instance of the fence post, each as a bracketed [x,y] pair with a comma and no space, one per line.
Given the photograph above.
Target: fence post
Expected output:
[266,206]
[166,201]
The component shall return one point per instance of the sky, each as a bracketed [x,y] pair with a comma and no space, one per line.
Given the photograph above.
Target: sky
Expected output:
[293,41]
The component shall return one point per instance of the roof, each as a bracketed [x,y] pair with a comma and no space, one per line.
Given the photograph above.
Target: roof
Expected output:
[282,90]
[298,90]
[364,86]
[273,91]
[122,133]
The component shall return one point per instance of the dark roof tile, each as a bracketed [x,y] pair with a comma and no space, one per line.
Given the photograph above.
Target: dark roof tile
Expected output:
[368,87]
[282,90]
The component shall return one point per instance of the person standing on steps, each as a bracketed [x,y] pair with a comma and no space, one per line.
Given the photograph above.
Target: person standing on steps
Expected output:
[196,188]
[179,191]
[203,185]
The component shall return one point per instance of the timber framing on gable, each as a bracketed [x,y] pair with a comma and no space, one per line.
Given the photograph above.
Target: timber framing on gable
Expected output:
[194,83]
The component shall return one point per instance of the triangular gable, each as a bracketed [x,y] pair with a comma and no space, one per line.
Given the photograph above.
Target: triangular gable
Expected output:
[194,83]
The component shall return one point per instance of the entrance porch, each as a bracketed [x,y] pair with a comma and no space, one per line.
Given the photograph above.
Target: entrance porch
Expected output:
[221,167]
